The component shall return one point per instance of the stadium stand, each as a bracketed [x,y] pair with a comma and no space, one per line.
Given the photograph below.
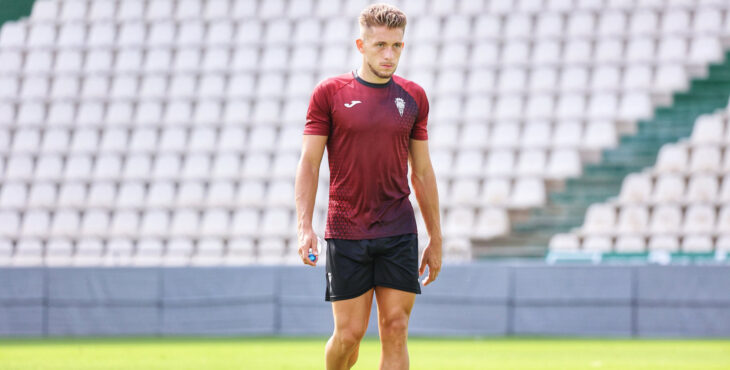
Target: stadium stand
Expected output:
[166,132]
[678,205]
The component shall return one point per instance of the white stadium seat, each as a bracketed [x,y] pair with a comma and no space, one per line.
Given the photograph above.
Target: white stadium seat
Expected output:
[161,194]
[464,191]
[597,243]
[636,188]
[41,194]
[540,107]
[531,162]
[543,79]
[166,166]
[469,163]
[675,21]
[13,195]
[101,34]
[672,158]
[284,165]
[500,163]
[669,189]
[29,252]
[600,218]
[708,129]
[95,223]
[705,159]
[155,223]
[459,222]
[496,192]
[220,194]
[102,195]
[73,10]
[581,24]
[702,189]
[638,78]
[697,244]
[125,223]
[630,244]
[45,10]
[669,243]
[612,23]
[600,134]
[276,222]
[643,22]
[568,134]
[699,219]
[665,219]
[48,167]
[251,193]
[609,51]
[564,242]
[280,193]
[564,163]
[528,193]
[536,134]
[705,49]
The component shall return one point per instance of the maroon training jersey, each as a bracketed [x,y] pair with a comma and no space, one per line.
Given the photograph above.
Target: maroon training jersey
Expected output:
[368,127]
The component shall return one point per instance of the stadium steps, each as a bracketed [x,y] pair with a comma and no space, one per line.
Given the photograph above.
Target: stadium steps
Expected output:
[11,10]
[599,181]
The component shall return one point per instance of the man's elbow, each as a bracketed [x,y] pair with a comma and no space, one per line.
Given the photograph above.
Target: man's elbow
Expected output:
[307,166]
[421,175]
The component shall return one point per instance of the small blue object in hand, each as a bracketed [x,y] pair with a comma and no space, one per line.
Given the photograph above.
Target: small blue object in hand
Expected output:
[312,257]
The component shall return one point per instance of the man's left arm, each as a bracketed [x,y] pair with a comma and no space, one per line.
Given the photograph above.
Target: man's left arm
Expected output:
[423,179]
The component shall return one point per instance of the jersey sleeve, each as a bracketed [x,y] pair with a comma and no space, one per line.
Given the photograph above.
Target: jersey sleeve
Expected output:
[419,131]
[319,117]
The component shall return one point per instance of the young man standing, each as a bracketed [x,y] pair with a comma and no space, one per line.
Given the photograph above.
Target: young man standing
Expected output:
[373,124]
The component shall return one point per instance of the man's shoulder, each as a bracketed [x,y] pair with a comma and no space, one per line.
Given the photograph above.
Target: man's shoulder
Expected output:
[410,86]
[334,83]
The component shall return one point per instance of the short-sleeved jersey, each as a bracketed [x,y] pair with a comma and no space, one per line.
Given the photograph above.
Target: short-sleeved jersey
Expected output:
[369,127]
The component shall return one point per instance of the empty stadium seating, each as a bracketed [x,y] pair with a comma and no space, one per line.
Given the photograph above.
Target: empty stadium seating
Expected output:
[168,131]
[678,205]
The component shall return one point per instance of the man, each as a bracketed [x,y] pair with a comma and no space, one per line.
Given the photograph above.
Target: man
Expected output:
[373,124]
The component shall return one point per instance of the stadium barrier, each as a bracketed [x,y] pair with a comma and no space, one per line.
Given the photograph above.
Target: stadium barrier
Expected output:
[476,299]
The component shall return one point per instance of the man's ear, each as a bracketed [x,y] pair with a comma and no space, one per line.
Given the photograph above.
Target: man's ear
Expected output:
[359,44]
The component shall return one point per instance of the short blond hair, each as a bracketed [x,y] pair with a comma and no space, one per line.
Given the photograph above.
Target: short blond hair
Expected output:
[382,15]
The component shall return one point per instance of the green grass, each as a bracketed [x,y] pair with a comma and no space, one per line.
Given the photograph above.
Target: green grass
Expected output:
[308,353]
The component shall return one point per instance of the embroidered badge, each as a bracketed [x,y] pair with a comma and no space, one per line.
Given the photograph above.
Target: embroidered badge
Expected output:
[401,105]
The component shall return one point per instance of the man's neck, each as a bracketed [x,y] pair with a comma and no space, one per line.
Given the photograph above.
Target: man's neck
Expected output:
[369,77]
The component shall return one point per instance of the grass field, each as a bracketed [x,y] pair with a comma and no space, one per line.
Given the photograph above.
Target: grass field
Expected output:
[308,353]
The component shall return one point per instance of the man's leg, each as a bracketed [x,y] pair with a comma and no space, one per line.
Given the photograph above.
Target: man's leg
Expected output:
[351,321]
[394,310]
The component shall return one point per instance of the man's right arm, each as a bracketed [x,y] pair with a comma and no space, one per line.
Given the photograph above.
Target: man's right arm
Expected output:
[305,190]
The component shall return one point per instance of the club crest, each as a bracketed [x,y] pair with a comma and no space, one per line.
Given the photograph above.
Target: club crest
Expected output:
[401,104]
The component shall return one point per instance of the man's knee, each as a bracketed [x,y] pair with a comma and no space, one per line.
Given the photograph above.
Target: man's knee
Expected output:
[350,337]
[394,327]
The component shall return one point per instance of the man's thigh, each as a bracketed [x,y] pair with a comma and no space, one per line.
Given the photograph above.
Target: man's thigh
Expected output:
[394,304]
[354,313]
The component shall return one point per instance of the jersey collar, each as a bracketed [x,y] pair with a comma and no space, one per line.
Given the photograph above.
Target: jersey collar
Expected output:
[360,80]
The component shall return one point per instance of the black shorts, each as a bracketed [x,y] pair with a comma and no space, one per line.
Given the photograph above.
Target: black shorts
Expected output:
[355,266]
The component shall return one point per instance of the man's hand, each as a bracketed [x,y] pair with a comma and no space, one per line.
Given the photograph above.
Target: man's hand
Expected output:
[307,240]
[432,258]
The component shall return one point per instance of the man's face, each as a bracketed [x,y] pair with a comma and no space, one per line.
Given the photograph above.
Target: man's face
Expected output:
[381,47]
